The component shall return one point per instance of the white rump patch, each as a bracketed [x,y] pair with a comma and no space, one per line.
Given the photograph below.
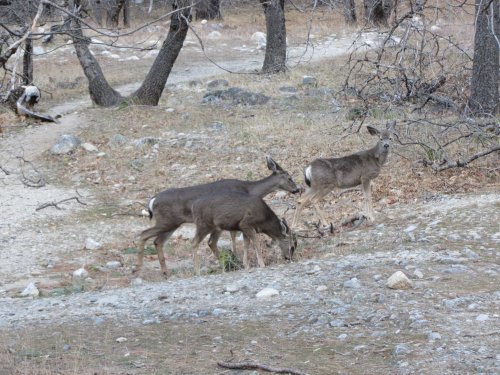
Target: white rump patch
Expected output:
[307,173]
[151,203]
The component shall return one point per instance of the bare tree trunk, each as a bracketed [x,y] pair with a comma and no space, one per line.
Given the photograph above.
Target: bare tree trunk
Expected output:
[275,59]
[28,62]
[114,12]
[484,96]
[350,12]
[100,91]
[97,9]
[378,11]
[126,14]
[208,9]
[151,89]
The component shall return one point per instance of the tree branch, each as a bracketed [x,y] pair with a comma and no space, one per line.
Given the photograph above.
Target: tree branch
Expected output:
[459,163]
[258,366]
[55,204]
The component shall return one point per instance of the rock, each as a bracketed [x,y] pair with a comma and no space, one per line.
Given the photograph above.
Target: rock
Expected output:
[121,339]
[337,323]
[232,288]
[470,254]
[418,274]
[399,280]
[260,38]
[433,336]
[214,35]
[352,283]
[118,140]
[321,288]
[237,95]
[342,336]
[137,282]
[288,89]
[267,292]
[309,81]
[113,264]
[89,147]
[90,244]
[30,291]
[65,144]
[482,317]
[145,142]
[401,349]
[80,273]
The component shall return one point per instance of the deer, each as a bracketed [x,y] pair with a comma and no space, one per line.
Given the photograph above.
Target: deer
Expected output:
[237,211]
[172,207]
[324,175]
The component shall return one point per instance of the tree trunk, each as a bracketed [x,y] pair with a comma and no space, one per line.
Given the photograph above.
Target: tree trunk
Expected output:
[350,12]
[151,89]
[114,12]
[97,9]
[100,91]
[28,62]
[275,59]
[378,12]
[208,10]
[126,14]
[484,96]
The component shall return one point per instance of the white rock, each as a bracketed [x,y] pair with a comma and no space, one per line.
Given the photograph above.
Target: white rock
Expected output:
[204,22]
[121,339]
[399,280]
[232,288]
[137,281]
[91,244]
[418,274]
[30,291]
[321,288]
[214,35]
[80,273]
[482,317]
[267,292]
[89,147]
[113,264]
[260,38]
[352,283]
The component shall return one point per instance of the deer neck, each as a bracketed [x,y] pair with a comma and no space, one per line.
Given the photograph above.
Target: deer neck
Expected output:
[380,156]
[262,187]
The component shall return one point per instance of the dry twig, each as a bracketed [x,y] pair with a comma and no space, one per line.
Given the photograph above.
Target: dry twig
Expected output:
[55,204]
[258,366]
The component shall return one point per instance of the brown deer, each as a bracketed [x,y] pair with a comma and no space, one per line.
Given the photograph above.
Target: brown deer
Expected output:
[171,208]
[324,175]
[236,211]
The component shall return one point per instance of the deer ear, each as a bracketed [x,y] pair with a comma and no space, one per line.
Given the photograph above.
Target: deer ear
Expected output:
[284,227]
[272,165]
[372,130]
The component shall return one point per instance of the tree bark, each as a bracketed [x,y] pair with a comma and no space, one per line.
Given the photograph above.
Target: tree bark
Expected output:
[275,59]
[350,12]
[208,9]
[114,12]
[100,91]
[378,11]
[151,89]
[484,96]
[28,62]
[126,14]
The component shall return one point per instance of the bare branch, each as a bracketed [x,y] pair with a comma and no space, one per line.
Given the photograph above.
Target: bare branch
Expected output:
[258,366]
[459,163]
[55,204]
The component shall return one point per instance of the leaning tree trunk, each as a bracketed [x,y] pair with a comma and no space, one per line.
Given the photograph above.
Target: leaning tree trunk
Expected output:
[350,12]
[485,77]
[126,14]
[100,91]
[275,59]
[151,89]
[28,62]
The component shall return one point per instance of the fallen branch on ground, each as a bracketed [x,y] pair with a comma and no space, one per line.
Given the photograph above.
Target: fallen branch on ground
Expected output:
[458,163]
[258,366]
[4,170]
[55,204]
[27,181]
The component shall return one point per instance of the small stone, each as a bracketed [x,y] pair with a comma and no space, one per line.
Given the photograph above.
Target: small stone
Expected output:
[433,336]
[352,283]
[470,254]
[401,349]
[418,274]
[410,228]
[91,244]
[30,291]
[137,281]
[267,292]
[342,336]
[337,323]
[482,317]
[321,288]
[66,347]
[113,264]
[89,147]
[232,288]
[80,273]
[118,140]
[214,35]
[121,339]
[399,280]
[217,84]
[65,144]
[313,270]
[309,81]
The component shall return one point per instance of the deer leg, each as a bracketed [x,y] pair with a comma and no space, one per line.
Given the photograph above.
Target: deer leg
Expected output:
[367,193]
[144,236]
[233,241]
[212,242]
[159,242]
[250,234]
[301,203]
[201,233]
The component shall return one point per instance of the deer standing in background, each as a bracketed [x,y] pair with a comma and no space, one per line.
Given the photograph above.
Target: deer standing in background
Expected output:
[173,207]
[324,175]
[236,211]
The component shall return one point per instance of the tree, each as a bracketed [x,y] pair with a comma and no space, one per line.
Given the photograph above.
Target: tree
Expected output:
[150,91]
[208,9]
[275,59]
[485,77]
[378,11]
[350,12]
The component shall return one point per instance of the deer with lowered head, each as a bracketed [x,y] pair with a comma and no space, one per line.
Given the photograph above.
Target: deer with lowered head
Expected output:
[173,207]
[360,168]
[236,211]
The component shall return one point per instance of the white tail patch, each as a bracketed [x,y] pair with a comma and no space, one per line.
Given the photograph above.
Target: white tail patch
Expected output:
[308,175]
[151,203]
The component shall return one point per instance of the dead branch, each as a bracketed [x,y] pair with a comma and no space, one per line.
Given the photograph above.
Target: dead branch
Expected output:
[258,366]
[491,333]
[459,164]
[37,181]
[22,110]
[4,170]
[55,204]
